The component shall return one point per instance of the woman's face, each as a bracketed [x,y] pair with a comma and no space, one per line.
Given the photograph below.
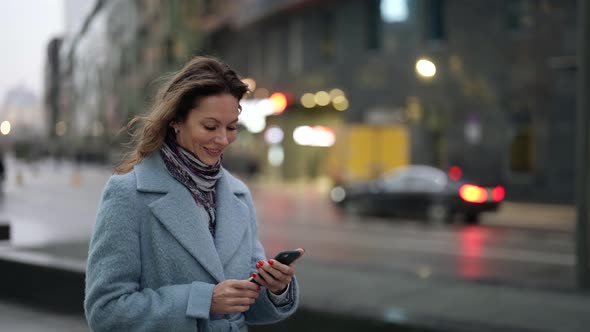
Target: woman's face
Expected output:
[210,127]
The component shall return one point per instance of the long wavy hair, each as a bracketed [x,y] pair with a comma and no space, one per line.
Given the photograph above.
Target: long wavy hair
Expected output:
[201,77]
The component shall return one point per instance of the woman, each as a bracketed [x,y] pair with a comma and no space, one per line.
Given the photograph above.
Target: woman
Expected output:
[175,245]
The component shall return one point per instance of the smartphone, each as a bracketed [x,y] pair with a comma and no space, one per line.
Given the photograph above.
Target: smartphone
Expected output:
[287,257]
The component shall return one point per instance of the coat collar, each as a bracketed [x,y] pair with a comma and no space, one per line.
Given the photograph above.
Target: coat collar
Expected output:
[188,222]
[153,165]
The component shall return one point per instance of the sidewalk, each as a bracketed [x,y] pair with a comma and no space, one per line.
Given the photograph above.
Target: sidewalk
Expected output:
[542,216]
[20,317]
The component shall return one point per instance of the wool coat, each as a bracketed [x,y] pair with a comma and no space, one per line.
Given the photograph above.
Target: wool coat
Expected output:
[153,263]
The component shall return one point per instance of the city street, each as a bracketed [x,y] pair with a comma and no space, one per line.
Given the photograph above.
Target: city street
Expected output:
[334,110]
[493,252]
[56,203]
[51,211]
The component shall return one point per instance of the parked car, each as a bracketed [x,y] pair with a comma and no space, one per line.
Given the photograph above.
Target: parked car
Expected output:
[419,191]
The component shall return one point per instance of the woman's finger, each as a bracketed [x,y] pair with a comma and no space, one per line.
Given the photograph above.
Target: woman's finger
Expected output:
[285,269]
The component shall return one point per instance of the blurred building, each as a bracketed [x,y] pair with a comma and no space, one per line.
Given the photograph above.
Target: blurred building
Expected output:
[363,85]
[21,116]
[75,14]
[500,103]
[109,62]
[52,84]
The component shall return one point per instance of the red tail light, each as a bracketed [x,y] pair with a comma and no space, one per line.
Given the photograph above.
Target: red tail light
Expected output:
[473,194]
[455,173]
[498,194]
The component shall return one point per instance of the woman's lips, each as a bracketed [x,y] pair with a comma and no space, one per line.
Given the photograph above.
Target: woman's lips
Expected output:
[213,152]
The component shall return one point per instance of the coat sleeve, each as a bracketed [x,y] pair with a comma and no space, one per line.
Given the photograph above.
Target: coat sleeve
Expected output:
[114,300]
[264,311]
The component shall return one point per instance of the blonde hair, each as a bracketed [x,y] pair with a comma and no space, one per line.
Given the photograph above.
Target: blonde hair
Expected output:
[201,77]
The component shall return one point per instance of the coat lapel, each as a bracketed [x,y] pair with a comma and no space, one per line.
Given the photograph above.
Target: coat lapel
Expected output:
[233,216]
[188,224]
[179,214]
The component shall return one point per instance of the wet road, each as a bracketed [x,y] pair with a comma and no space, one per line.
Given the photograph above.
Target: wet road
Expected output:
[492,253]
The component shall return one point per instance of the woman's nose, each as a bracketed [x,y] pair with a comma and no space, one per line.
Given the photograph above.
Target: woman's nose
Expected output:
[222,139]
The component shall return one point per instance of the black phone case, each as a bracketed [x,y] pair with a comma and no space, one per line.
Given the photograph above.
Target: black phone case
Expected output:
[287,257]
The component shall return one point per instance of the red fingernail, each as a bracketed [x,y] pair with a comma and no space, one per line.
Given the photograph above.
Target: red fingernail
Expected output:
[261,263]
[259,289]
[253,275]
[270,262]
[258,266]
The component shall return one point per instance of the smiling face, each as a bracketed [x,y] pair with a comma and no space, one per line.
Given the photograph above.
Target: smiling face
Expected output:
[209,128]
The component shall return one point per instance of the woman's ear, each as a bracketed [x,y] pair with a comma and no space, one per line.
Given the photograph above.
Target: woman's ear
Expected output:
[174,126]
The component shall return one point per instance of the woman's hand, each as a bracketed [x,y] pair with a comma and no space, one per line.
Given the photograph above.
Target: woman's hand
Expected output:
[274,275]
[232,296]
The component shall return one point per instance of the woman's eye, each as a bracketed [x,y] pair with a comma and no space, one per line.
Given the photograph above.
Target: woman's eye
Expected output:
[209,128]
[232,128]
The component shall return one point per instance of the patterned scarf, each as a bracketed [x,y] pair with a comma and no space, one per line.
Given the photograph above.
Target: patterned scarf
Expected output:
[198,177]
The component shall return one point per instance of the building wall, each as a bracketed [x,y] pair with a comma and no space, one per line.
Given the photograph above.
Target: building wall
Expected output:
[51,81]
[110,68]
[501,104]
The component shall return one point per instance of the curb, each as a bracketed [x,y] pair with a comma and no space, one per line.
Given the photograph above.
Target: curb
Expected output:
[4,231]
[42,286]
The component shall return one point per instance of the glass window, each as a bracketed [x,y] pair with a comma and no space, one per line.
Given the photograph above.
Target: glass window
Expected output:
[327,42]
[255,55]
[273,49]
[295,53]
[521,151]
[393,183]
[423,184]
[434,20]
[394,11]
[373,20]
[520,14]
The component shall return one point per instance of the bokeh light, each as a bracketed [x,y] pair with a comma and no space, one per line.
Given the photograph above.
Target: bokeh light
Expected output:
[322,98]
[5,127]
[425,68]
[308,100]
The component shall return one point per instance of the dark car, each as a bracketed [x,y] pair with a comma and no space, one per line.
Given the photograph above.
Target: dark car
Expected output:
[419,191]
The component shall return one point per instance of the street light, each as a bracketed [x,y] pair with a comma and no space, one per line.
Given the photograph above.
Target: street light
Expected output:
[425,68]
[5,128]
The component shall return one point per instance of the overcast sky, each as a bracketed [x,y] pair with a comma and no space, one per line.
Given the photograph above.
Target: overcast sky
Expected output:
[26,26]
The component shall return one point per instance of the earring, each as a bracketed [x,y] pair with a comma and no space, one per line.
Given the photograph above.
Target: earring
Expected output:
[176,131]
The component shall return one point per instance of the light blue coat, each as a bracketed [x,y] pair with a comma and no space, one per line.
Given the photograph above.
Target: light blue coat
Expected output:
[153,264]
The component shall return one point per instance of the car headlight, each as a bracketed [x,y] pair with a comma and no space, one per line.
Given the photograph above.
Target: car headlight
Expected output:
[337,194]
